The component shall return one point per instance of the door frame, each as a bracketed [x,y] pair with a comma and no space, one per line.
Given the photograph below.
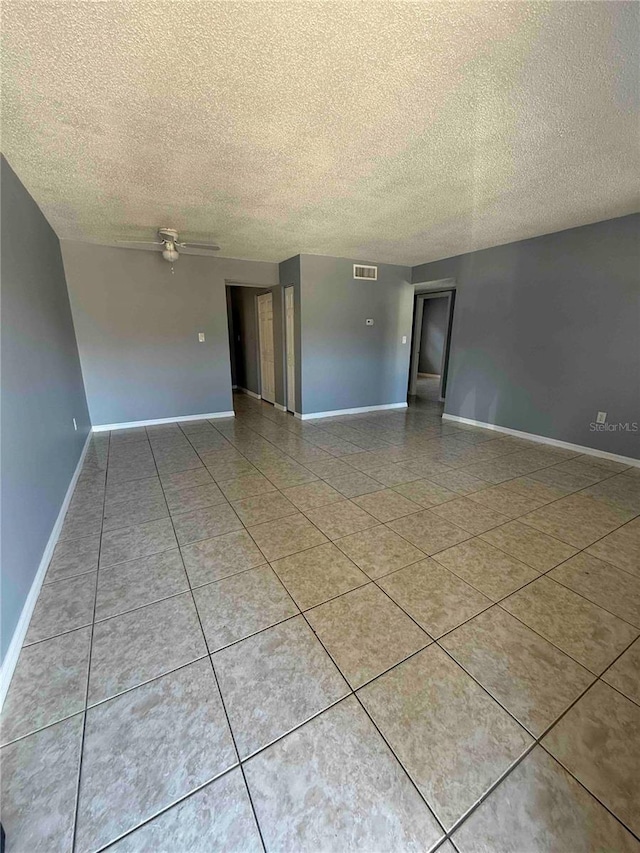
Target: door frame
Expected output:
[420,298]
[260,296]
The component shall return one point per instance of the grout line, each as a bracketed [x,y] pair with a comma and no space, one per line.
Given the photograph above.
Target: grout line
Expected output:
[369,580]
[86,695]
[222,702]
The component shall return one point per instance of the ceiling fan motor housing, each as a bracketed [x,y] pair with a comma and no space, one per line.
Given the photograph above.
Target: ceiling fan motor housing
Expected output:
[169,235]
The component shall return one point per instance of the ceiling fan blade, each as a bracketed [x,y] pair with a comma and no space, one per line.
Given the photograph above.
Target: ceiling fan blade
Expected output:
[145,245]
[210,247]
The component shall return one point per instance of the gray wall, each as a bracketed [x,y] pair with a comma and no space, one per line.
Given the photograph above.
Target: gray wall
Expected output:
[546,333]
[137,326]
[346,364]
[42,391]
[434,331]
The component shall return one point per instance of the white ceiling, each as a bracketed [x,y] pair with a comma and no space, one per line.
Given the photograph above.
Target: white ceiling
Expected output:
[399,132]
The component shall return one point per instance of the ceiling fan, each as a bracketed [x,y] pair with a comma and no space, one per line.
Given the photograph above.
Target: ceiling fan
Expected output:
[169,244]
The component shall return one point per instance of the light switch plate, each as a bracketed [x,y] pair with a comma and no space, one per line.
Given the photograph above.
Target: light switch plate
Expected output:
[602,418]
[201,337]
[404,339]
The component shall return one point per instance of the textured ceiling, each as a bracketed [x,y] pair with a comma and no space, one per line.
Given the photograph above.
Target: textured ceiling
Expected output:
[399,132]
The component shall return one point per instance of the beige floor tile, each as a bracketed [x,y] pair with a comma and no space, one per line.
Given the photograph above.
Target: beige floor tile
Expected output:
[366,461]
[386,505]
[394,474]
[62,606]
[611,588]
[530,546]
[509,502]
[247,486]
[340,519]
[127,586]
[469,515]
[621,548]
[620,491]
[459,481]
[229,468]
[310,495]
[135,647]
[540,808]
[379,550]
[624,674]
[49,683]
[72,558]
[217,817]
[213,559]
[199,497]
[330,467]
[272,682]
[142,540]
[354,483]
[241,605]
[262,508]
[451,737]
[428,531]
[488,569]
[598,741]
[185,480]
[38,786]
[437,599]
[586,632]
[339,764]
[425,492]
[290,475]
[205,523]
[542,493]
[318,574]
[531,678]
[148,748]
[286,536]
[603,462]
[566,480]
[365,633]
[578,519]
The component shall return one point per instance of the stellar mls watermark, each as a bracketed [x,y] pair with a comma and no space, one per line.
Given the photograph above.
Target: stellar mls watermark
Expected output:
[632,426]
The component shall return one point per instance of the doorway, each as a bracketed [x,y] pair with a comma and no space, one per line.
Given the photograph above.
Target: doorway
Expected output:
[433,317]
[266,348]
[252,374]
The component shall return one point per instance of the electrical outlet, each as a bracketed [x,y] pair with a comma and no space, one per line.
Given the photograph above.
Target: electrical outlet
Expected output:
[602,418]
[404,339]
[75,425]
[201,337]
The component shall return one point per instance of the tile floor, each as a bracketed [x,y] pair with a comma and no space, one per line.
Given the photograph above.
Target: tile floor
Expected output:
[382,632]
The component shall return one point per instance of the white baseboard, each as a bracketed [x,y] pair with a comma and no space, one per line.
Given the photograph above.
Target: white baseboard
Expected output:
[15,646]
[249,393]
[542,439]
[356,411]
[280,408]
[158,421]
